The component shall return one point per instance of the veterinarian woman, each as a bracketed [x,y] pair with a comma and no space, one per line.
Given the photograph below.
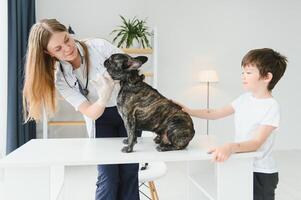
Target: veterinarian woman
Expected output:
[75,68]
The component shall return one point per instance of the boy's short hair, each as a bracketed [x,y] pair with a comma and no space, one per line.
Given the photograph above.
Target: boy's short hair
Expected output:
[266,60]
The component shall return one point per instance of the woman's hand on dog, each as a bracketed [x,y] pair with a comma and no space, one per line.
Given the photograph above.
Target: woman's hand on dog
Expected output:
[104,85]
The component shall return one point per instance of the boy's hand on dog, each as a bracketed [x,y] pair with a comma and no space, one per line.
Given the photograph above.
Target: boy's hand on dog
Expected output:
[104,85]
[184,108]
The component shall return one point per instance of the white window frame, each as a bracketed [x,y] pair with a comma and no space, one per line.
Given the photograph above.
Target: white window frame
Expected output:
[3,75]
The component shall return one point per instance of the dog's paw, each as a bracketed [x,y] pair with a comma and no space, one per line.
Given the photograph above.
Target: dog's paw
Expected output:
[160,148]
[127,149]
[125,141]
[165,147]
[157,139]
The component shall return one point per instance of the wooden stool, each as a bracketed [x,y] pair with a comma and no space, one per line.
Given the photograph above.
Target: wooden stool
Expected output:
[148,172]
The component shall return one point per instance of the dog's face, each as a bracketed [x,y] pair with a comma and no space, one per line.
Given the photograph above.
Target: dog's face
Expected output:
[120,65]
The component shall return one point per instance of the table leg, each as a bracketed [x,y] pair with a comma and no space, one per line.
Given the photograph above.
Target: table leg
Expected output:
[235,179]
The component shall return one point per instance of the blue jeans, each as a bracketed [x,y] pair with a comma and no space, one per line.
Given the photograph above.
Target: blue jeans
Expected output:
[118,181]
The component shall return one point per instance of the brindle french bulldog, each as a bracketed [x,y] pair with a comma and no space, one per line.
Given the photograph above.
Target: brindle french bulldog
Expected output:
[144,108]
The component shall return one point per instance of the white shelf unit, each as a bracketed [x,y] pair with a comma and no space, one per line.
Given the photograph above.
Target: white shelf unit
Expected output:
[149,75]
[202,175]
[149,69]
[219,181]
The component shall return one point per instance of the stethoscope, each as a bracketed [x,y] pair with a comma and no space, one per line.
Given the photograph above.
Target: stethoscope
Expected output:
[83,91]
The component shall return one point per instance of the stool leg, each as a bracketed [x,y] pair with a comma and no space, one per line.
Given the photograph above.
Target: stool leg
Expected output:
[157,197]
[153,190]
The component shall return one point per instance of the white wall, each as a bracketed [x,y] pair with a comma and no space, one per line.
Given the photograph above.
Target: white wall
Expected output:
[91,18]
[200,34]
[3,77]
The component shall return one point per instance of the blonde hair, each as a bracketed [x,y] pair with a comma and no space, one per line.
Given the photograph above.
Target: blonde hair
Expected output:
[39,86]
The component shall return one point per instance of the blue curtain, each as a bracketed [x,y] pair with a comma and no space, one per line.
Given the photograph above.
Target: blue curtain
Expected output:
[21,16]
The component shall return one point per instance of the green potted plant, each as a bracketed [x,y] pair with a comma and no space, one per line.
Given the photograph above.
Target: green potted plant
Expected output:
[131,31]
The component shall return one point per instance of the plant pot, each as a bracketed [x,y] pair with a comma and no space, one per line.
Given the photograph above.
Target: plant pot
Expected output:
[136,45]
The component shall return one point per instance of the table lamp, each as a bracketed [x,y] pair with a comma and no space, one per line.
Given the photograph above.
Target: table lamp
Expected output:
[208,76]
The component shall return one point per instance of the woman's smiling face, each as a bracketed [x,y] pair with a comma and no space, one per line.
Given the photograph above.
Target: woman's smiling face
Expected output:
[62,46]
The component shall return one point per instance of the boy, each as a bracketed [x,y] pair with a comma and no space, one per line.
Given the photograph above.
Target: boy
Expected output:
[256,117]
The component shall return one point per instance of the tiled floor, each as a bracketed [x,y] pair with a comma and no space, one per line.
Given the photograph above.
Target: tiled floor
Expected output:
[173,186]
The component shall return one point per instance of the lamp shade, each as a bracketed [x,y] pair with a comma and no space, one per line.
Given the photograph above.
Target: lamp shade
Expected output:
[208,76]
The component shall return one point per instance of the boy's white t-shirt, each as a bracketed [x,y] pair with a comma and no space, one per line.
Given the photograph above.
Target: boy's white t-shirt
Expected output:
[250,113]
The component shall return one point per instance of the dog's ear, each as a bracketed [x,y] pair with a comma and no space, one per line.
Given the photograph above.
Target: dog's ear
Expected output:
[142,59]
[136,62]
